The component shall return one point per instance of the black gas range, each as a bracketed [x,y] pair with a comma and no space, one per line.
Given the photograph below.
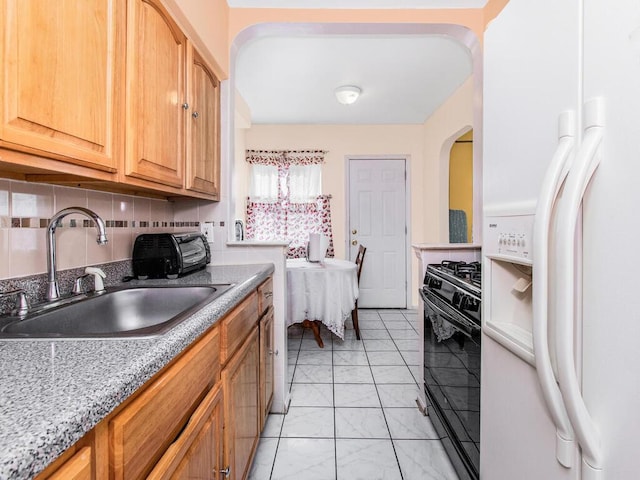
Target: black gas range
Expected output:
[454,290]
[452,296]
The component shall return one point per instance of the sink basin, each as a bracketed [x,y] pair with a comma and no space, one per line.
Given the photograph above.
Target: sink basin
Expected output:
[117,313]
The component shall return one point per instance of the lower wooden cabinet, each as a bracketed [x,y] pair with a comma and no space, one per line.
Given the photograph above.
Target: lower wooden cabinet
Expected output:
[242,407]
[198,418]
[267,351]
[77,467]
[197,453]
[85,460]
[140,434]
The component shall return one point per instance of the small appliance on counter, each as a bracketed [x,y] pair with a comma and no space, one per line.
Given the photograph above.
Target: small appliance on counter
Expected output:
[169,255]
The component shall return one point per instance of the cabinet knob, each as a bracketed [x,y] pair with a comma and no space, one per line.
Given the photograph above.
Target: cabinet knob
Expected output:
[195,114]
[354,231]
[185,106]
[354,242]
[273,352]
[225,472]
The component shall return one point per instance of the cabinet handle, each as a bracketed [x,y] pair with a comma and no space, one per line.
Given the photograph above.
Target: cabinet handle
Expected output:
[273,352]
[195,114]
[185,106]
[268,294]
[225,472]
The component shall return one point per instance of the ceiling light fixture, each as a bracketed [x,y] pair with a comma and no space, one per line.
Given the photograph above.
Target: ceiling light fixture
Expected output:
[347,94]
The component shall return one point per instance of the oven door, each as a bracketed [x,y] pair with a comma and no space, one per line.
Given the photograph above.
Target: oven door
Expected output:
[457,319]
[452,382]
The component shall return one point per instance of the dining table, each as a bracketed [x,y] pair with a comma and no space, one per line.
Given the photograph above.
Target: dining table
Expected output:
[321,292]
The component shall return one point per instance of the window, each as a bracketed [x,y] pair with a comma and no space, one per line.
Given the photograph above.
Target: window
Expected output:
[285,199]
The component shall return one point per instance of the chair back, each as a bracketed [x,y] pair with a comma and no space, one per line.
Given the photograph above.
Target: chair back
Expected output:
[360,259]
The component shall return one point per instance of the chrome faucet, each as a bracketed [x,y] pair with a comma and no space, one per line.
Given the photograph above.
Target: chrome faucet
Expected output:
[52,289]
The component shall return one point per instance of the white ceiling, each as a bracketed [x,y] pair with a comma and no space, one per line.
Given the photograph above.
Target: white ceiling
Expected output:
[368,4]
[404,78]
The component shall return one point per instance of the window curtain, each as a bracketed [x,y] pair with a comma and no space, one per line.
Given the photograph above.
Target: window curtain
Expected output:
[285,201]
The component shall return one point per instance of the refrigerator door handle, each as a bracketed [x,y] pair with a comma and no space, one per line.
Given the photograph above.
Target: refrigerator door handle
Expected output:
[584,166]
[554,178]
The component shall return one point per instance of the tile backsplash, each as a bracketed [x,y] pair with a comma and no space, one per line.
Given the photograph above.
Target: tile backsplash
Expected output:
[25,210]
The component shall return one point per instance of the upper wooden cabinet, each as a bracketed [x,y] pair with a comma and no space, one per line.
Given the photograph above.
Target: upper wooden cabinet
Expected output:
[203,127]
[61,62]
[156,94]
[107,94]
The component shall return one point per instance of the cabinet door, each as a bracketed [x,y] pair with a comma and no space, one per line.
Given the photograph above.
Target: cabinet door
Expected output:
[242,415]
[77,467]
[266,365]
[61,66]
[203,128]
[141,432]
[155,104]
[197,453]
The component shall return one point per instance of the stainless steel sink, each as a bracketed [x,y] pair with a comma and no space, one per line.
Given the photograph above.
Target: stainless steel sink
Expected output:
[116,313]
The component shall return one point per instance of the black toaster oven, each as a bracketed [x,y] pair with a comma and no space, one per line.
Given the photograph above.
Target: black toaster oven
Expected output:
[169,255]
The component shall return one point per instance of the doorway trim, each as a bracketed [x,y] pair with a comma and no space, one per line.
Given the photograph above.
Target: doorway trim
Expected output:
[407,219]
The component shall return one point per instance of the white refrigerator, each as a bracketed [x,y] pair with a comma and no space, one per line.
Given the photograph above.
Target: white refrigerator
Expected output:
[560,392]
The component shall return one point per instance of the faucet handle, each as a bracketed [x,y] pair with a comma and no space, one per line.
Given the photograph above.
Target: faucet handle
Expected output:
[98,276]
[22,304]
[77,284]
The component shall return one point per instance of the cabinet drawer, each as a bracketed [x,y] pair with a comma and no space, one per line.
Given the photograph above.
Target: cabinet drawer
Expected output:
[77,467]
[237,325]
[140,434]
[197,452]
[265,295]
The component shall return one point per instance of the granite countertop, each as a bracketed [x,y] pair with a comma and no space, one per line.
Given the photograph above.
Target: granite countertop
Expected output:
[52,392]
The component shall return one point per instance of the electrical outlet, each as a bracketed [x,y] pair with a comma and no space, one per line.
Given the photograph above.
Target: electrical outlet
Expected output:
[207,229]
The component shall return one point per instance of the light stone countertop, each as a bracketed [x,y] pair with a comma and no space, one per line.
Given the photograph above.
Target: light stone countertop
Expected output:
[52,392]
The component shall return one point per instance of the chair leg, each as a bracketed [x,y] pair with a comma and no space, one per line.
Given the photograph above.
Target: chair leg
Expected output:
[354,319]
[315,328]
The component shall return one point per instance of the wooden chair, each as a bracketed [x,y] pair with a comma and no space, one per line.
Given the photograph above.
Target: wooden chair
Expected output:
[354,313]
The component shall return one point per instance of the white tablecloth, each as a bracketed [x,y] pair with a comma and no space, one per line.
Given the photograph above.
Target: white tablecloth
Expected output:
[324,291]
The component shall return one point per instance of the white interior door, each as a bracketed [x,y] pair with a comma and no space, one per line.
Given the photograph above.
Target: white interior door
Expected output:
[377,220]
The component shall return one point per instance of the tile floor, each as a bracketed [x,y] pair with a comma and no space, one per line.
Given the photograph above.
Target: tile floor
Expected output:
[353,413]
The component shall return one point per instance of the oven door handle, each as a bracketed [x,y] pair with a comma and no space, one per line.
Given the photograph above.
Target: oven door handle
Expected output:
[553,181]
[470,325]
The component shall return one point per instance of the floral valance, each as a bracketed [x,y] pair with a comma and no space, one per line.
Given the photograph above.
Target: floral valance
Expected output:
[285,157]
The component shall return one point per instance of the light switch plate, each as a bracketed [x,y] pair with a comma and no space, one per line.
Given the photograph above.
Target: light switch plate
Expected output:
[207,229]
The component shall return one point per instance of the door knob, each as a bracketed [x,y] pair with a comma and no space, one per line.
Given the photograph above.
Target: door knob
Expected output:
[354,242]
[354,231]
